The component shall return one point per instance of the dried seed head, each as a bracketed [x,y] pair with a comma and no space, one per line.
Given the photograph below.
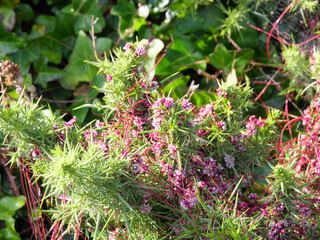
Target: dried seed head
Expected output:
[11,72]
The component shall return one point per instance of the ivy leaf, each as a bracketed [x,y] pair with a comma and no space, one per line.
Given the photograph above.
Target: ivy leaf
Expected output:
[24,57]
[23,12]
[47,47]
[126,12]
[49,22]
[179,56]
[200,98]
[47,74]
[208,18]
[9,205]
[77,70]
[221,57]
[9,42]
[8,18]
[9,233]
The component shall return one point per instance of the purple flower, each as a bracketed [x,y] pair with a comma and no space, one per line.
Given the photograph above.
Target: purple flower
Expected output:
[253,196]
[184,204]
[146,208]
[229,161]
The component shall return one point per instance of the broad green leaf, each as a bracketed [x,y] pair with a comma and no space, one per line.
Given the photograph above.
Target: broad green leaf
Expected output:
[247,37]
[23,12]
[200,98]
[7,18]
[47,47]
[10,4]
[77,70]
[126,12]
[179,56]
[24,58]
[9,233]
[243,57]
[221,57]
[81,113]
[49,22]
[37,31]
[84,9]
[9,205]
[9,42]
[208,18]
[103,44]
[64,24]
[179,82]
[47,74]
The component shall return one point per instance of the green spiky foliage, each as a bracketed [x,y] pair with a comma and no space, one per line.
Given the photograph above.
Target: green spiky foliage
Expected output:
[26,127]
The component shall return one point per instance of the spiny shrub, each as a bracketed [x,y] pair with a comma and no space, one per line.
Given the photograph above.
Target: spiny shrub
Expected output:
[158,167]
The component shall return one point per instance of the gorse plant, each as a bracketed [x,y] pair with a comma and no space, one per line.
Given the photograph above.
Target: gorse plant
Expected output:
[157,167]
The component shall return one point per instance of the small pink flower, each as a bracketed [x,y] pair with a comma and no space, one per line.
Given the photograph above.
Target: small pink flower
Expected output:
[71,122]
[127,47]
[172,149]
[140,51]
[99,124]
[221,125]
[109,78]
[168,102]
[252,118]
[186,105]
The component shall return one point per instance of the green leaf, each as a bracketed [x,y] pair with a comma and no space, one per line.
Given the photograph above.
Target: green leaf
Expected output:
[208,18]
[126,12]
[9,42]
[47,74]
[24,58]
[8,18]
[221,57]
[9,233]
[200,98]
[86,9]
[179,56]
[64,24]
[9,205]
[49,22]
[10,4]
[178,87]
[81,113]
[103,44]
[77,70]
[37,31]
[23,12]
[47,47]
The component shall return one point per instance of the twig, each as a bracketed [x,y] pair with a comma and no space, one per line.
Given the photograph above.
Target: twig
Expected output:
[93,22]
[191,90]
[4,160]
[209,76]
